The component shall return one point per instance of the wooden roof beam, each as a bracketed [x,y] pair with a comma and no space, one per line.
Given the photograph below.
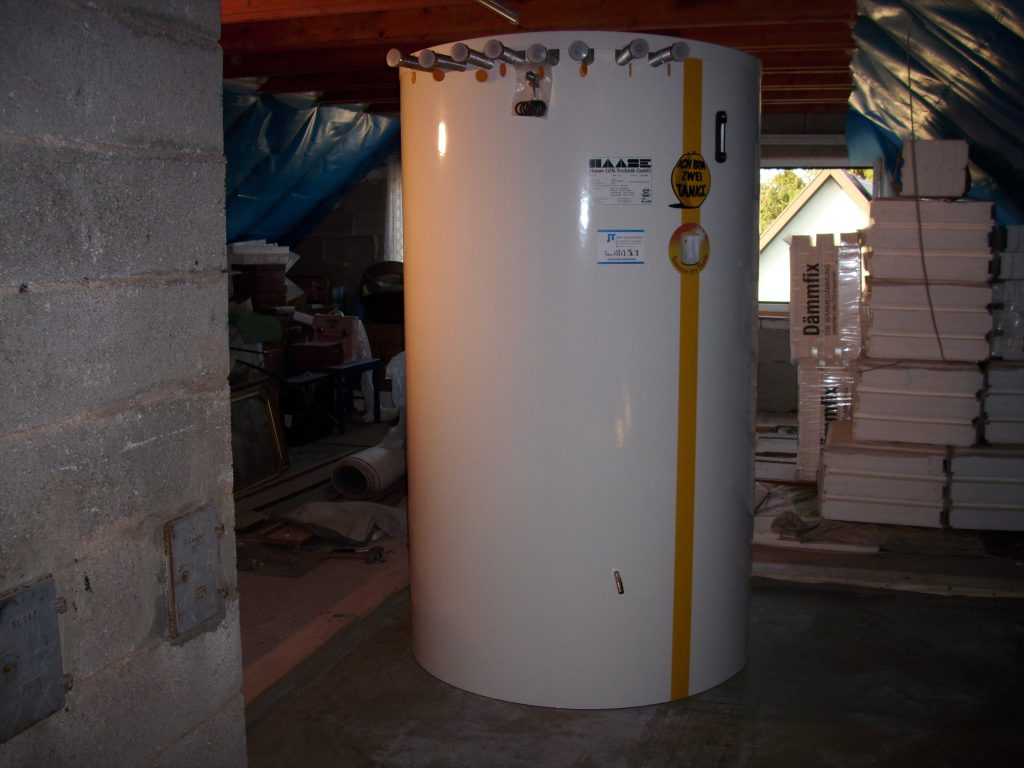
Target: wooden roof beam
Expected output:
[439,23]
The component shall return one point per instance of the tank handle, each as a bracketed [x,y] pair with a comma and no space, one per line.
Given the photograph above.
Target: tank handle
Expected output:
[721,118]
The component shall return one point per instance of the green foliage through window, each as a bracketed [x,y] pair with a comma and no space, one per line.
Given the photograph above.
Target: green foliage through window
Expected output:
[778,192]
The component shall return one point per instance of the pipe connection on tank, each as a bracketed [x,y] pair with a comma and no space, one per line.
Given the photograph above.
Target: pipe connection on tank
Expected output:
[396,59]
[636,49]
[435,61]
[678,51]
[463,54]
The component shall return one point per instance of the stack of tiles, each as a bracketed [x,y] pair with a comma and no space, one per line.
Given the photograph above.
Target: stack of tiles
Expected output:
[921,403]
[1008,298]
[986,489]
[928,277]
[824,323]
[1003,404]
[891,483]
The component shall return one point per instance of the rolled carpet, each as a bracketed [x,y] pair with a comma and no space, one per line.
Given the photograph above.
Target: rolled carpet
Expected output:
[365,474]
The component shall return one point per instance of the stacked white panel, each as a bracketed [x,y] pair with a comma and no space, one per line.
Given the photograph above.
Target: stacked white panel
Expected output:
[888,483]
[1008,319]
[935,168]
[929,262]
[901,315]
[986,489]
[1010,259]
[922,403]
[1003,403]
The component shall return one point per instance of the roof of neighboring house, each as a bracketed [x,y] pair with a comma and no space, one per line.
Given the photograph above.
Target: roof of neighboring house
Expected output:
[846,181]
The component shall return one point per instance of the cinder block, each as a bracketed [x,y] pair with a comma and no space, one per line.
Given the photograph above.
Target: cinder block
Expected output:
[216,742]
[76,350]
[89,504]
[197,16]
[129,712]
[73,72]
[96,214]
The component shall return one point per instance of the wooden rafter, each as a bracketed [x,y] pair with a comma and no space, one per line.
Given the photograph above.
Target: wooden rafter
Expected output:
[337,47]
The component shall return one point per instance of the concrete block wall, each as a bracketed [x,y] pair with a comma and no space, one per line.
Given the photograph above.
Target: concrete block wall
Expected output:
[776,375]
[351,238]
[113,347]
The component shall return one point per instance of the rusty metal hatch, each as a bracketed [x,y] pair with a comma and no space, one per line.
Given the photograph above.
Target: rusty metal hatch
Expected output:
[32,683]
[193,556]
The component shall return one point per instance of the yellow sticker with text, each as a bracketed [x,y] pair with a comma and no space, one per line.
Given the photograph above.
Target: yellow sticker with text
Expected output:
[689,248]
[691,180]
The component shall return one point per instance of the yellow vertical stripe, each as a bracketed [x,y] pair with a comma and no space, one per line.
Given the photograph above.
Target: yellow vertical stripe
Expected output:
[686,452]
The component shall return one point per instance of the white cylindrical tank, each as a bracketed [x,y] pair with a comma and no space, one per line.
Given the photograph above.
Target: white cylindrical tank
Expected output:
[580,325]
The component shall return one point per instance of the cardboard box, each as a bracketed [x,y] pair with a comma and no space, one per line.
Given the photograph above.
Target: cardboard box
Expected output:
[824,305]
[315,354]
[338,328]
[826,396]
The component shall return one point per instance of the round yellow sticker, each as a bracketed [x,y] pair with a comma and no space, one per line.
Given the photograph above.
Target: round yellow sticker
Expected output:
[689,248]
[691,180]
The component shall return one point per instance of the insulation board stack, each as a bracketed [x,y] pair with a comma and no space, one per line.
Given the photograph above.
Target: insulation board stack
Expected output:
[986,489]
[935,168]
[891,483]
[928,278]
[1003,403]
[825,336]
[1010,258]
[917,402]
[1008,298]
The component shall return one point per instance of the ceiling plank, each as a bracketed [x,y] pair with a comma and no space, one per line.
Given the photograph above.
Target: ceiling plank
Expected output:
[438,23]
[805,44]
[337,47]
[239,11]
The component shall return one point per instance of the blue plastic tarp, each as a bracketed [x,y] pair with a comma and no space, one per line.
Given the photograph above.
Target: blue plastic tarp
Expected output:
[290,159]
[943,69]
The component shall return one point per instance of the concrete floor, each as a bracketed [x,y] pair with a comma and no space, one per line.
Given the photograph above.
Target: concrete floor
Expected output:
[838,676]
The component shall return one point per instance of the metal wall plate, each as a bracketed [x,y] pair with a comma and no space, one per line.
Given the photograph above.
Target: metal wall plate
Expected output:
[193,556]
[31,673]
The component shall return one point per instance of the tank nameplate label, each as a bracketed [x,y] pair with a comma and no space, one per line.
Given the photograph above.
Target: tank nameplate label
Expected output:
[622,180]
[691,180]
[620,246]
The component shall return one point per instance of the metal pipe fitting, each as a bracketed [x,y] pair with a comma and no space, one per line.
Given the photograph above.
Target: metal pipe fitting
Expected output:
[432,61]
[497,51]
[396,59]
[678,51]
[463,54]
[636,49]
[581,52]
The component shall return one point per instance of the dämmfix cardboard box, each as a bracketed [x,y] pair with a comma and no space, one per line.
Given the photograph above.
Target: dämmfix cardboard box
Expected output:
[825,396]
[824,299]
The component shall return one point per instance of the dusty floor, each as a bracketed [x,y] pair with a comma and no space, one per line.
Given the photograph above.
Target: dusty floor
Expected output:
[838,676]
